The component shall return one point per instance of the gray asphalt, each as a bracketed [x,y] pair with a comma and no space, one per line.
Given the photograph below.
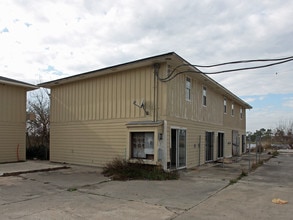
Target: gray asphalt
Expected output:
[81,192]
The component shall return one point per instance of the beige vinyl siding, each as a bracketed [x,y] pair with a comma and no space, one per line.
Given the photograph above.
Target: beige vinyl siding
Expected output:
[89,117]
[102,98]
[12,103]
[177,106]
[195,132]
[197,119]
[12,123]
[234,121]
[12,144]
[91,143]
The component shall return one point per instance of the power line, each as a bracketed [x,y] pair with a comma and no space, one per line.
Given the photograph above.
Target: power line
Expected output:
[249,68]
[246,61]
[172,75]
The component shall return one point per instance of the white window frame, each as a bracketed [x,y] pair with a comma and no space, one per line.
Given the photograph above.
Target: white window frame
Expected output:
[188,89]
[232,109]
[225,106]
[143,150]
[204,96]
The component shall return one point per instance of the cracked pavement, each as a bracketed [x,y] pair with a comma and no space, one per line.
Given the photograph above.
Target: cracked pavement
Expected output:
[81,192]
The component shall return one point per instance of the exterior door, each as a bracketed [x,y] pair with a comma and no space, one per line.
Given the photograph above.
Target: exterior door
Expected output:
[243,143]
[235,143]
[220,145]
[178,148]
[209,146]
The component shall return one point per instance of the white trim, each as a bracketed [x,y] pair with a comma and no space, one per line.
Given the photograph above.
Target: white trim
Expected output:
[179,128]
[204,88]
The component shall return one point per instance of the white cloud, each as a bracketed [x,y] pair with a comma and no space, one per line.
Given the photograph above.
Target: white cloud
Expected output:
[288,102]
[79,36]
[266,118]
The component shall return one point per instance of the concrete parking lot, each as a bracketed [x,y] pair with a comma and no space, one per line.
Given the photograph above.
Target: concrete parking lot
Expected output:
[81,192]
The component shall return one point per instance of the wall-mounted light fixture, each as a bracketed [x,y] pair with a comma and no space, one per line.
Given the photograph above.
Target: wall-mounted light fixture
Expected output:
[160,136]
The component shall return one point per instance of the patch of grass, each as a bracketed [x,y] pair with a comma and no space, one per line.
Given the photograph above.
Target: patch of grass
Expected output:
[232,181]
[254,166]
[71,189]
[243,174]
[120,169]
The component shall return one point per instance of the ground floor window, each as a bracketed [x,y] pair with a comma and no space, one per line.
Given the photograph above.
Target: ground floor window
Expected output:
[142,145]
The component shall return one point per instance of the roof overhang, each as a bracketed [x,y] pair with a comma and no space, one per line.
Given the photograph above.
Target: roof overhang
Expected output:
[170,58]
[144,123]
[109,70]
[12,82]
[190,69]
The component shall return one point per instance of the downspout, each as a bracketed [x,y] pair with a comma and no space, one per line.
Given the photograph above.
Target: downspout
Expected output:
[154,110]
[17,153]
[156,93]
[165,145]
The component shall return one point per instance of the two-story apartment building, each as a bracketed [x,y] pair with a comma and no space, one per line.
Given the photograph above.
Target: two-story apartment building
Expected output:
[159,109]
[13,119]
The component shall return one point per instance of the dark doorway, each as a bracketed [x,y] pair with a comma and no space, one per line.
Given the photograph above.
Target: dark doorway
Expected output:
[209,146]
[220,145]
[235,143]
[243,143]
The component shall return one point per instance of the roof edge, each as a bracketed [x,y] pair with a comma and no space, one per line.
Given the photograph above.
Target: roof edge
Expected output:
[50,84]
[247,106]
[114,68]
[14,82]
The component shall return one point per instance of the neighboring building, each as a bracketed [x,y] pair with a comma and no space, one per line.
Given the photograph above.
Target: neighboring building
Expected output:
[131,111]
[13,119]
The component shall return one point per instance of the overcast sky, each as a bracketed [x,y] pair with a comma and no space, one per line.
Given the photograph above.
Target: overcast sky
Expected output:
[46,40]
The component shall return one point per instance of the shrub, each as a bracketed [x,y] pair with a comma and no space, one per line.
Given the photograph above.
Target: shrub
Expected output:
[275,153]
[120,169]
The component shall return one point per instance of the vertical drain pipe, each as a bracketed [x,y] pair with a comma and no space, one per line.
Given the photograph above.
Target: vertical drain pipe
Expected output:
[199,142]
[156,74]
[17,152]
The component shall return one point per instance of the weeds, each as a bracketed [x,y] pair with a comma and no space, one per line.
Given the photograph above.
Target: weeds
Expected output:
[243,174]
[71,189]
[254,166]
[275,153]
[232,181]
[120,169]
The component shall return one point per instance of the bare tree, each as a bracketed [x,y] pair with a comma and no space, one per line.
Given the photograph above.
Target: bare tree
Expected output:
[38,124]
[284,133]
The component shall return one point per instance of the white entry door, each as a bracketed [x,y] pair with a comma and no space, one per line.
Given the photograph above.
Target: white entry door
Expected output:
[178,148]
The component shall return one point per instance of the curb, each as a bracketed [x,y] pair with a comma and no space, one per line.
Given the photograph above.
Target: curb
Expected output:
[16,173]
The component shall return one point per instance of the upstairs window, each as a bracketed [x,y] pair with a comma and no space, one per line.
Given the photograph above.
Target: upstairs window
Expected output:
[232,109]
[241,113]
[188,89]
[204,96]
[225,105]
[142,145]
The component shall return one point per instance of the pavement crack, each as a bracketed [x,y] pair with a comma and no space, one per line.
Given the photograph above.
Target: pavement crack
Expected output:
[202,201]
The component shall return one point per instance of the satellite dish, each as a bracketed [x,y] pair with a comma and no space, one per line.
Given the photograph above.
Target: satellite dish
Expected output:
[142,103]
